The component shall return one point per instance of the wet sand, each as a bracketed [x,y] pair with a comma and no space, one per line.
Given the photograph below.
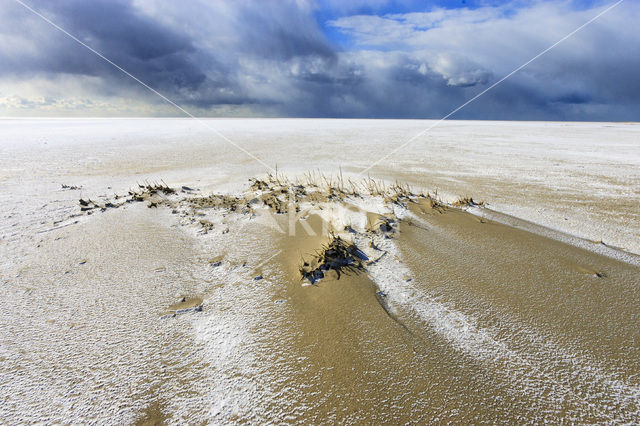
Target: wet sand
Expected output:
[189,307]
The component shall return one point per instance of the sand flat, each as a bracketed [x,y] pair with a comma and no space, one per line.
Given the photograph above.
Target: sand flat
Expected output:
[454,316]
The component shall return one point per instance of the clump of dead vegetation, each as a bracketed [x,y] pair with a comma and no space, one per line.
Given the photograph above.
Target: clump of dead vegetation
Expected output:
[153,193]
[338,255]
[148,191]
[88,206]
[221,201]
[436,205]
[279,193]
[467,202]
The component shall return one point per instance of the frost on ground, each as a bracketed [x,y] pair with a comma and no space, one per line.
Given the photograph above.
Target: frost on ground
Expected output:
[97,277]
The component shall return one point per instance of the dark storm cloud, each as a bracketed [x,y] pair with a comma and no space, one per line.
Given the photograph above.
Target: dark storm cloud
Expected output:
[273,58]
[145,48]
[170,61]
[281,34]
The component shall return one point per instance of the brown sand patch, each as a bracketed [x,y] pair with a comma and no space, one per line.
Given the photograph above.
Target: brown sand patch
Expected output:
[487,267]
[152,416]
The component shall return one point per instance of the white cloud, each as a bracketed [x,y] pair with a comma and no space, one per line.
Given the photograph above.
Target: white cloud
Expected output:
[250,57]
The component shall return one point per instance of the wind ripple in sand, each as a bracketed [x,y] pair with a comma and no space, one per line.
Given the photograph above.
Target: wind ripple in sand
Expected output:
[543,368]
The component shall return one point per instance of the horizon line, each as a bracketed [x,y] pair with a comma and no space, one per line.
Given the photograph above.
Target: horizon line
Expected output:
[176,117]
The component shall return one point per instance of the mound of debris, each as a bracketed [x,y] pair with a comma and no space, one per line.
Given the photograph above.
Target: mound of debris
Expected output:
[88,206]
[153,193]
[150,192]
[338,255]
[221,201]
[467,202]
[277,193]
[280,195]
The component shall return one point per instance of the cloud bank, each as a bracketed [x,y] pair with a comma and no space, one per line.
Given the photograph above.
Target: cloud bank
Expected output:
[301,58]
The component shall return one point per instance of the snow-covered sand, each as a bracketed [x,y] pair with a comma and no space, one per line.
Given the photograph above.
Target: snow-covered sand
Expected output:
[471,330]
[579,178]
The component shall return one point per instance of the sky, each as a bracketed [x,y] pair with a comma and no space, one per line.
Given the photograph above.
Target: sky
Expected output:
[330,58]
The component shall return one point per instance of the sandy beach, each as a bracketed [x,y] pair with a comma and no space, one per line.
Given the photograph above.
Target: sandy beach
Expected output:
[153,273]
